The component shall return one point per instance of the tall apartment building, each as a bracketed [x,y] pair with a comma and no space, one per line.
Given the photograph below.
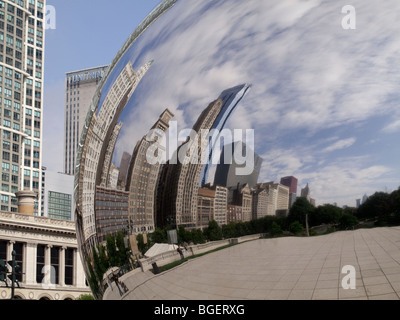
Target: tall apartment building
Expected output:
[80,87]
[22,45]
[291,182]
[260,203]
[278,202]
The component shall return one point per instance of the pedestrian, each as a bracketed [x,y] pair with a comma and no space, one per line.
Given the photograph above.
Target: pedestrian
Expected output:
[180,252]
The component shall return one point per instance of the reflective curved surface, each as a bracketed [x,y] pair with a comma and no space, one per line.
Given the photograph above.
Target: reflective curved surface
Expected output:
[310,95]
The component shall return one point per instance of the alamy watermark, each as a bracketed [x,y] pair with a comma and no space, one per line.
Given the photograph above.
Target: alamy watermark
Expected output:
[202,147]
[50,18]
[349,281]
[349,21]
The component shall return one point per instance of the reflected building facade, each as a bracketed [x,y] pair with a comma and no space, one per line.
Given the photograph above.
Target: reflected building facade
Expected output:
[99,145]
[142,178]
[179,191]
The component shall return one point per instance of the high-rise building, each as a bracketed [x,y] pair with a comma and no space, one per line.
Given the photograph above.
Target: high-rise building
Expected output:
[80,87]
[260,203]
[57,195]
[306,193]
[278,198]
[291,182]
[21,72]
[226,172]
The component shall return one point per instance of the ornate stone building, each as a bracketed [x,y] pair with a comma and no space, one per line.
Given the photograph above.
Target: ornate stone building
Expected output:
[41,245]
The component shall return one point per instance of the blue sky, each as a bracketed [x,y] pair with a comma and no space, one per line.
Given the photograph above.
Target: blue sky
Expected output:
[88,33]
[324,101]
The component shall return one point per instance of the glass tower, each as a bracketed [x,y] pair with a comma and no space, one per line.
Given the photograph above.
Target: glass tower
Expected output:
[22,40]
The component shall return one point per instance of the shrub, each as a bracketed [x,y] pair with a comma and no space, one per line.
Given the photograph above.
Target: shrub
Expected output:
[296,227]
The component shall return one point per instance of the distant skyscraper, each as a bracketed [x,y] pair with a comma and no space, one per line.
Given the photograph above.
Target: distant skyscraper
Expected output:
[305,193]
[358,203]
[291,182]
[80,87]
[364,199]
[226,174]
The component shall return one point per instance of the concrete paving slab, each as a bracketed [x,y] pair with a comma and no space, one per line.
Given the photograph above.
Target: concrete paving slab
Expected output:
[283,268]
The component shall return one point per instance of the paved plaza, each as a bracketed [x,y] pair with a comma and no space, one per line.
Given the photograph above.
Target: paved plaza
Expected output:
[282,268]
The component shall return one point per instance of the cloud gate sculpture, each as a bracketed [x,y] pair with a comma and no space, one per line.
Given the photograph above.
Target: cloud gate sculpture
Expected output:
[181,84]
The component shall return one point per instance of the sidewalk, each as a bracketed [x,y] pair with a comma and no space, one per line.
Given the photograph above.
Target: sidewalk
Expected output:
[282,268]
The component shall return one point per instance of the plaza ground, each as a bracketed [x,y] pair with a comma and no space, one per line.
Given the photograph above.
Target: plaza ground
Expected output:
[293,268]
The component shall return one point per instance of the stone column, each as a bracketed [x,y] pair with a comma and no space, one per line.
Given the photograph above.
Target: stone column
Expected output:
[31,263]
[75,281]
[10,248]
[26,202]
[61,271]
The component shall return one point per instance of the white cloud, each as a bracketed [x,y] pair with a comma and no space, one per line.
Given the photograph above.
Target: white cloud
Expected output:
[341,144]
[392,127]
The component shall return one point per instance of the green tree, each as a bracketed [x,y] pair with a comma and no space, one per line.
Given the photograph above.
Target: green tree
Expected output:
[347,221]
[141,245]
[197,236]
[296,227]
[376,206]
[105,264]
[113,258]
[123,252]
[159,236]
[328,214]
[299,210]
[276,229]
[213,232]
[98,266]
[229,230]
[183,235]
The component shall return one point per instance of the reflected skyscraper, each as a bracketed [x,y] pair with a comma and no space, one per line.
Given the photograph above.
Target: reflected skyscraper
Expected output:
[99,143]
[230,101]
[226,172]
[142,178]
[180,189]
[80,87]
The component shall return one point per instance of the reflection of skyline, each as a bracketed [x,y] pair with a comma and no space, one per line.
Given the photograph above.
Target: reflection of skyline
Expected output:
[299,103]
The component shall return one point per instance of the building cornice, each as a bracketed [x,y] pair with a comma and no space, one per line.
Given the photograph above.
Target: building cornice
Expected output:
[36,224]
